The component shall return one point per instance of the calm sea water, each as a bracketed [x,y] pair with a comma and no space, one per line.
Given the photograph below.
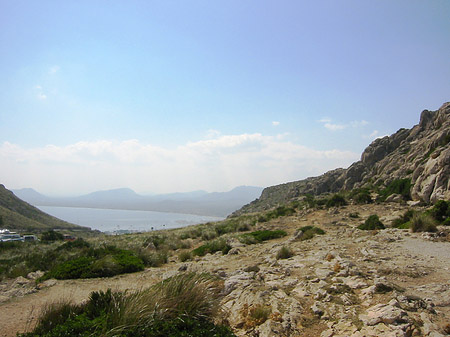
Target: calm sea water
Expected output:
[115,220]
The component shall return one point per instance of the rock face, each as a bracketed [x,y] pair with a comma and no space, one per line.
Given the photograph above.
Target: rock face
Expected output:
[421,153]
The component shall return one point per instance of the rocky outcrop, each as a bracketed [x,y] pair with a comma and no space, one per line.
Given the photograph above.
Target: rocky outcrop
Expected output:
[421,153]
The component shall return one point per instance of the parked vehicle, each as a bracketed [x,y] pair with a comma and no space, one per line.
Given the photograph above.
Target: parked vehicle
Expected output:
[11,237]
[30,238]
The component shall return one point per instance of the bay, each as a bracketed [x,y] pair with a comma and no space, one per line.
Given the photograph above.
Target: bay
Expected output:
[122,221]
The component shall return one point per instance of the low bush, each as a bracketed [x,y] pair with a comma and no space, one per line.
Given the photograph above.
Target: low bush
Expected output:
[181,306]
[155,241]
[373,222]
[397,186]
[256,315]
[310,200]
[309,232]
[403,222]
[260,236]
[276,213]
[212,247]
[361,196]
[423,223]
[191,233]
[284,253]
[100,262]
[185,256]
[354,215]
[336,200]
[209,234]
[441,211]
[51,236]
[77,244]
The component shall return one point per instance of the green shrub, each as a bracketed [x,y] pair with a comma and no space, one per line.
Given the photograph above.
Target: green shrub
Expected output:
[262,218]
[51,236]
[373,222]
[398,186]
[180,327]
[260,236]
[154,259]
[77,244]
[276,213]
[336,200]
[310,231]
[284,211]
[403,222]
[184,305]
[101,262]
[441,210]
[354,215]
[73,269]
[212,247]
[155,240]
[4,246]
[314,229]
[209,234]
[191,233]
[185,256]
[310,200]
[361,196]
[284,253]
[423,223]
[54,316]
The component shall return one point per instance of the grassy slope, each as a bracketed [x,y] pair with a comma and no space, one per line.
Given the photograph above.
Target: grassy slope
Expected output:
[19,215]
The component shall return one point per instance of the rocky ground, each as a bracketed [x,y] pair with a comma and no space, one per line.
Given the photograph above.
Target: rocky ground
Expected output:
[347,282]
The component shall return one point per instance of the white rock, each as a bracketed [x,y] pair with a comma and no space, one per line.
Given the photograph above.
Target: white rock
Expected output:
[384,313]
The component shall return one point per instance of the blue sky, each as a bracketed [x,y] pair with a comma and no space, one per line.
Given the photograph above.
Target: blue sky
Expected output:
[164,96]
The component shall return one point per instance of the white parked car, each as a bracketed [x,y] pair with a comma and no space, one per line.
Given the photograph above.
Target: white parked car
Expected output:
[30,238]
[11,237]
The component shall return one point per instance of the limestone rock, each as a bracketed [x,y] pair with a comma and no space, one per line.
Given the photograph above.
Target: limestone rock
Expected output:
[390,313]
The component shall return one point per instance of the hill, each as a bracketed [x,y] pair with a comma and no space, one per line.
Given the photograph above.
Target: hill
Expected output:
[419,157]
[19,215]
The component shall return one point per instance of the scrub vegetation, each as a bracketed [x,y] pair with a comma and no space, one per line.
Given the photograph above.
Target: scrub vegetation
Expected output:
[180,306]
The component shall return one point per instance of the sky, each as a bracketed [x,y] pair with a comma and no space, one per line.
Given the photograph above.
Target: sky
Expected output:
[175,96]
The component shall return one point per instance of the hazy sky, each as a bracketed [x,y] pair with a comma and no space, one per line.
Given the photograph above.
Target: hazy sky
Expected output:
[164,96]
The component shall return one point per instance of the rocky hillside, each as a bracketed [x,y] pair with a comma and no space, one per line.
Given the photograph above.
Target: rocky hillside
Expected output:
[421,154]
[345,282]
[18,215]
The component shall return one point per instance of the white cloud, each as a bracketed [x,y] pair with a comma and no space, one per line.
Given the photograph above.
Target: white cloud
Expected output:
[54,69]
[334,127]
[215,164]
[373,135]
[357,124]
[324,120]
[41,96]
[275,123]
[212,133]
[327,123]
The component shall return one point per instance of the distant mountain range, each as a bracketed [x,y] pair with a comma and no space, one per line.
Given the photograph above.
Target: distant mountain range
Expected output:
[218,204]
[16,214]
